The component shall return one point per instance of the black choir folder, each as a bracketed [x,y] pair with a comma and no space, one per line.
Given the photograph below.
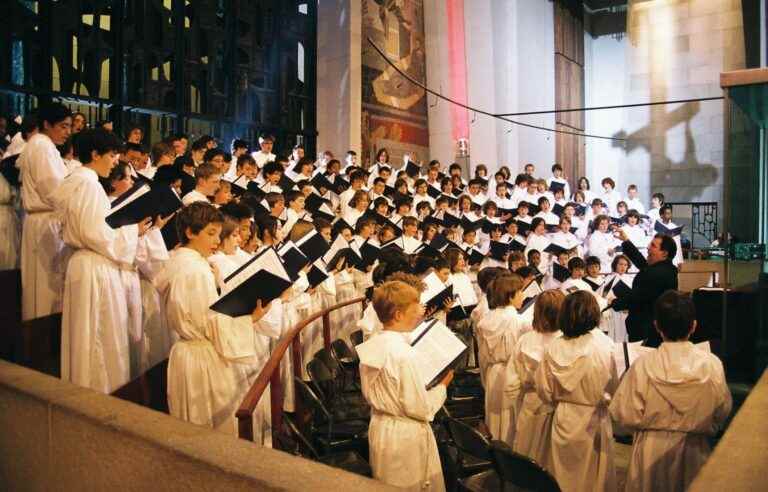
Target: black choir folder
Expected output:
[142,201]
[437,349]
[263,277]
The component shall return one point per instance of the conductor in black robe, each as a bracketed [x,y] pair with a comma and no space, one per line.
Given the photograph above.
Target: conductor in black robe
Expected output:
[657,275]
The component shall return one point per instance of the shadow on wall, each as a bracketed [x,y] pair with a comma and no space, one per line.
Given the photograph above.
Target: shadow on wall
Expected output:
[688,177]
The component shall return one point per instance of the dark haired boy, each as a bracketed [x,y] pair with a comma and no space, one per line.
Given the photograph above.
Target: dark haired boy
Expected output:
[674,398]
[214,351]
[42,170]
[96,317]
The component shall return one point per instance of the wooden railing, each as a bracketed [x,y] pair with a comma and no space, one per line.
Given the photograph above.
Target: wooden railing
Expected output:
[270,374]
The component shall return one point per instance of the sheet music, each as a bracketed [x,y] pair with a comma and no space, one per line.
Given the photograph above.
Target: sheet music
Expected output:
[306,237]
[436,347]
[532,290]
[268,260]
[135,195]
[463,288]
[339,244]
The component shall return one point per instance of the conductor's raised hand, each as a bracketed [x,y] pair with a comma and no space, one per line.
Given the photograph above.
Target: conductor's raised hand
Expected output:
[259,311]
[621,234]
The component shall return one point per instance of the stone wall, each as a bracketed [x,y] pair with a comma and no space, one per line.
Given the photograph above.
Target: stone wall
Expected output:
[57,436]
[675,49]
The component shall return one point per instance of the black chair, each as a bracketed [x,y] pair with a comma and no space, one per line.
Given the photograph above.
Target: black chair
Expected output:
[356,337]
[350,461]
[448,463]
[335,384]
[327,430]
[474,460]
[349,363]
[518,472]
[343,354]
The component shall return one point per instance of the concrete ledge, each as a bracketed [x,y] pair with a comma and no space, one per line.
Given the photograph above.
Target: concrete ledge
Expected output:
[58,436]
[738,462]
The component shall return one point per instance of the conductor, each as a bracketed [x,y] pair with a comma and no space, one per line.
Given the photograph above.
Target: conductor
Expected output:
[657,275]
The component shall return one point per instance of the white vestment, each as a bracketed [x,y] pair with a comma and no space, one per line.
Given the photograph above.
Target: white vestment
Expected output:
[577,376]
[42,250]
[9,227]
[534,418]
[602,244]
[203,385]
[403,451]
[674,398]
[94,330]
[194,196]
[539,243]
[497,334]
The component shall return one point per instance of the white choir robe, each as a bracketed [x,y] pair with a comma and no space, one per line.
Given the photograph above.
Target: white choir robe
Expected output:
[16,146]
[534,417]
[639,239]
[261,158]
[602,244]
[674,398]
[131,285]
[149,337]
[9,227]
[224,265]
[311,338]
[563,181]
[611,199]
[653,216]
[613,323]
[578,376]
[497,334]
[344,199]
[95,322]
[43,255]
[369,324]
[422,198]
[204,384]
[539,243]
[347,316]
[635,204]
[194,196]
[403,450]
[157,338]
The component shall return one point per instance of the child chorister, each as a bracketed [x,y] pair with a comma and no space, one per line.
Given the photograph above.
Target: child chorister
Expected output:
[202,383]
[534,418]
[403,450]
[577,375]
[95,349]
[497,335]
[674,398]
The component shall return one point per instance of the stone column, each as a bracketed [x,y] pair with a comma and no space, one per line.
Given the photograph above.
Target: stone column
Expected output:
[339,81]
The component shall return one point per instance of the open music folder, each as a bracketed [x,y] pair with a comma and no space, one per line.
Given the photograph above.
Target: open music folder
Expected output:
[263,277]
[438,350]
[142,201]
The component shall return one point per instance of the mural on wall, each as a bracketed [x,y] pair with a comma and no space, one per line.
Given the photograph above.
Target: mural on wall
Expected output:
[394,111]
